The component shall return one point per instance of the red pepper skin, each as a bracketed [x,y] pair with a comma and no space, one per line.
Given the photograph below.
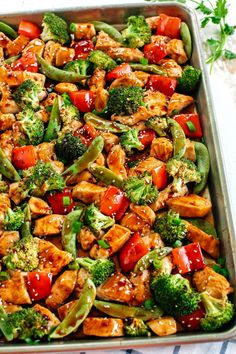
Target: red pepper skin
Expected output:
[192,321]
[114,203]
[87,133]
[160,177]
[83,48]
[131,252]
[146,136]
[24,157]
[118,72]
[166,85]
[182,119]
[155,52]
[188,258]
[27,62]
[83,100]
[168,26]
[39,285]
[29,29]
[57,203]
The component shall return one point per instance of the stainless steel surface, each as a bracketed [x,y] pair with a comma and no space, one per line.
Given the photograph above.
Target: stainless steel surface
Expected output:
[217,182]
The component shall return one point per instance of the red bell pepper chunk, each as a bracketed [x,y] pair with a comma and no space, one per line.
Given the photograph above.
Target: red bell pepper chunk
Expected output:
[24,157]
[61,202]
[190,124]
[83,100]
[192,321]
[82,48]
[146,136]
[87,133]
[27,62]
[39,285]
[29,29]
[188,258]
[166,85]
[168,26]
[114,202]
[118,72]
[155,52]
[131,252]
[160,177]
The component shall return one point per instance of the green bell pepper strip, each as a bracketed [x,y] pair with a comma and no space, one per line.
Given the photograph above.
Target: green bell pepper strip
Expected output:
[105,125]
[7,169]
[186,38]
[78,312]
[56,74]
[5,325]
[149,68]
[105,175]
[179,138]
[11,60]
[110,30]
[54,125]
[123,311]
[146,261]
[69,231]
[203,165]
[8,30]
[89,156]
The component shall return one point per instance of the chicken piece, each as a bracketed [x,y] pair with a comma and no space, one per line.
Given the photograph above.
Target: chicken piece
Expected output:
[84,31]
[134,223]
[142,114]
[156,103]
[51,318]
[142,76]
[116,161]
[163,326]
[214,283]
[4,40]
[5,203]
[162,149]
[157,39]
[116,288]
[50,51]
[175,50]
[49,225]
[81,278]
[109,140]
[172,69]
[51,258]
[190,153]
[86,238]
[166,195]
[64,309]
[15,193]
[58,166]
[148,165]
[178,102]
[152,240]
[144,212]
[101,99]
[43,114]
[62,288]
[10,308]
[126,54]
[105,42]
[50,99]
[85,176]
[88,192]
[7,240]
[6,143]
[6,121]
[1,56]
[63,87]
[7,104]
[127,80]
[141,291]
[97,80]
[36,46]
[38,207]
[103,327]
[14,290]
[64,55]
[152,22]
[45,152]
[190,206]
[98,252]
[16,46]
[166,266]
[208,243]
[38,79]
[116,237]
[10,77]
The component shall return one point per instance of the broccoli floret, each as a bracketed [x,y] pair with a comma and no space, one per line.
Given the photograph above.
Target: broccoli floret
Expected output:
[79,66]
[101,60]
[125,100]
[54,28]
[174,294]
[158,124]
[170,227]
[31,125]
[27,94]
[189,80]
[29,324]
[23,255]
[69,114]
[183,171]
[140,190]
[69,147]
[95,220]
[137,32]
[99,269]
[218,312]
[13,219]
[129,140]
[136,327]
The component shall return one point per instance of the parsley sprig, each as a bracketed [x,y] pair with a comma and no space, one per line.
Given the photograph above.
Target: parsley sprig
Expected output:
[217,15]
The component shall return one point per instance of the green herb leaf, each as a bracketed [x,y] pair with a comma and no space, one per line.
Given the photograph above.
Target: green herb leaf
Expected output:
[229,55]
[204,9]
[229,30]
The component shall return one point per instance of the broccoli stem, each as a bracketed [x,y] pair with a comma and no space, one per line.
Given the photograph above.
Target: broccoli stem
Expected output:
[105,175]
[7,169]
[69,231]
[105,125]
[110,30]
[54,122]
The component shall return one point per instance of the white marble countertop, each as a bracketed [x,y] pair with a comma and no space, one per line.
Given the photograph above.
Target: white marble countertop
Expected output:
[223,88]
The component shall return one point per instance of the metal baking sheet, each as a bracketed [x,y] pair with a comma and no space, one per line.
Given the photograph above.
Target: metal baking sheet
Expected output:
[116,14]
